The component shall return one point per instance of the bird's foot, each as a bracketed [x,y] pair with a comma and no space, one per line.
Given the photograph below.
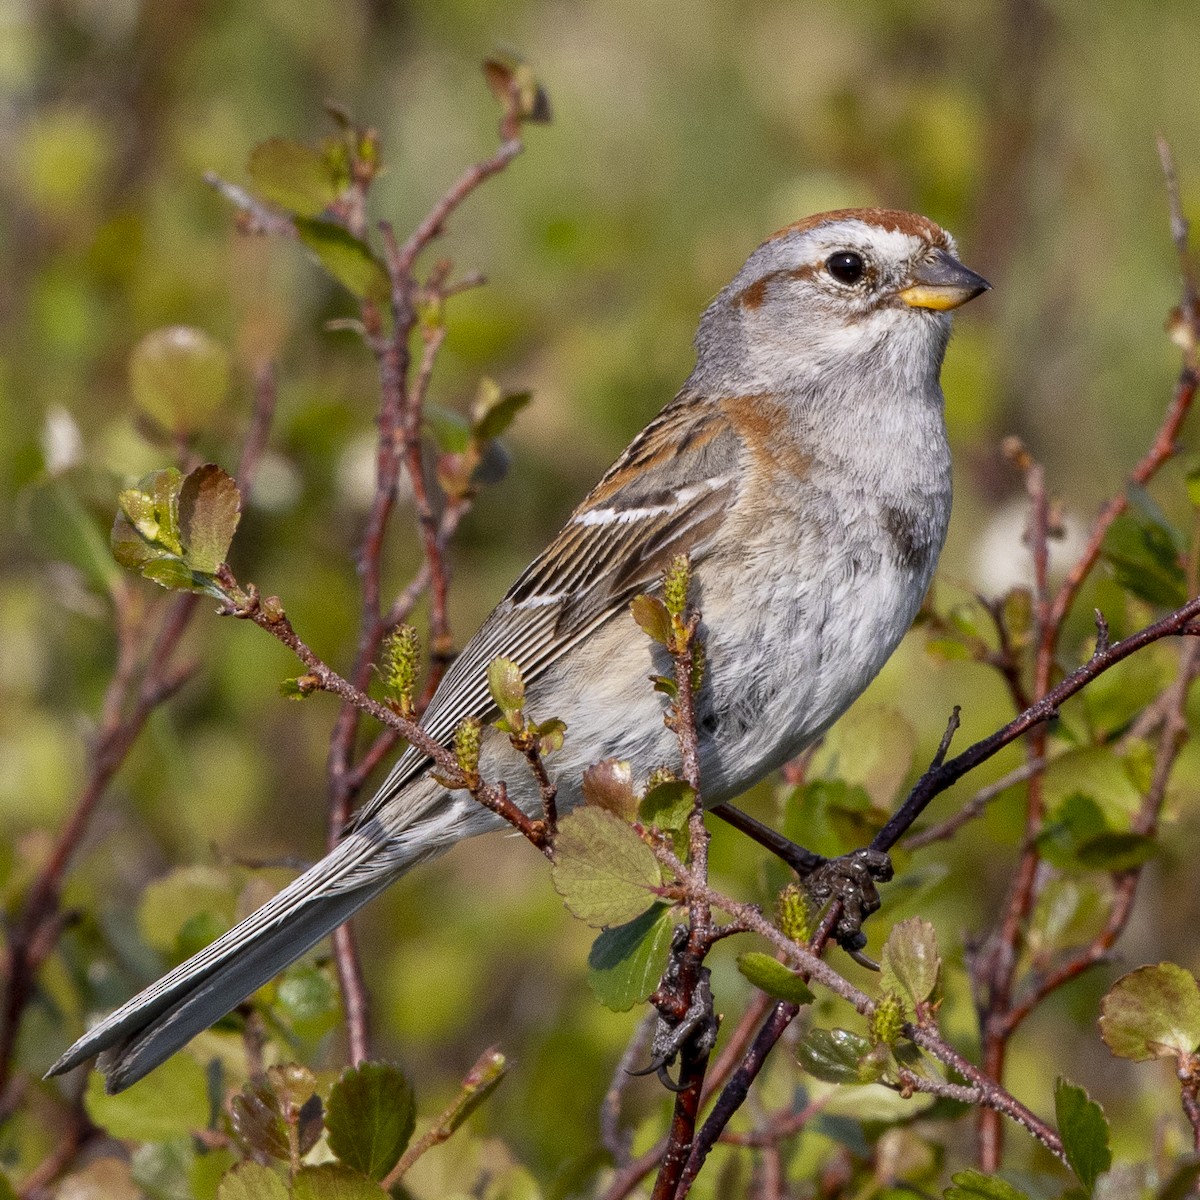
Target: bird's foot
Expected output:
[687,1024]
[852,879]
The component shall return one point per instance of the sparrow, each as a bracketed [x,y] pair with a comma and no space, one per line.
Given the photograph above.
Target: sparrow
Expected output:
[804,470]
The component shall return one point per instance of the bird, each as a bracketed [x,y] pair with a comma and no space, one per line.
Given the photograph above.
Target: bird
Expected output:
[804,470]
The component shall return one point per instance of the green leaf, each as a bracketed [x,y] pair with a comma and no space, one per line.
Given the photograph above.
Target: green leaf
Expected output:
[668,805]
[210,507]
[911,962]
[974,1185]
[1153,1012]
[370,1119]
[345,258]
[151,509]
[173,1103]
[62,528]
[774,978]
[506,686]
[172,574]
[831,817]
[293,176]
[1116,851]
[179,376]
[170,902]
[1083,1130]
[450,430]
[835,1056]
[1076,820]
[252,1181]
[609,784]
[493,411]
[626,962]
[308,998]
[1144,558]
[651,615]
[332,1181]
[603,871]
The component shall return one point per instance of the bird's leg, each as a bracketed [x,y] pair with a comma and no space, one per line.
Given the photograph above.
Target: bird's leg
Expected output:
[803,862]
[850,878]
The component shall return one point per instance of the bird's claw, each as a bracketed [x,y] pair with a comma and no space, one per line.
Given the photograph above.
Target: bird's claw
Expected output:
[694,1033]
[852,879]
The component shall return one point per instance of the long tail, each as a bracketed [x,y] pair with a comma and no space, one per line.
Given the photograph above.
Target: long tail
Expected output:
[158,1021]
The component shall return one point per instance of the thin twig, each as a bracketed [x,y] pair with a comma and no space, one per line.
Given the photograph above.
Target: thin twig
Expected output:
[973,807]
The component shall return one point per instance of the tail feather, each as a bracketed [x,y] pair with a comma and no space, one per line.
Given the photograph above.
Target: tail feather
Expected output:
[149,1028]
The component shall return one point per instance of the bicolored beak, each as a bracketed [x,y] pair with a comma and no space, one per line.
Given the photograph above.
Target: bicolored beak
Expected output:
[942,282]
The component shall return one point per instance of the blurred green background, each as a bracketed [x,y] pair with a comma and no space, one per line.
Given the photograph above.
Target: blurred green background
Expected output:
[684,133]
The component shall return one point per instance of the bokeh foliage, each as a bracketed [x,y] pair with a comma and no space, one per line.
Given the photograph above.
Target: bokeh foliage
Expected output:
[684,133]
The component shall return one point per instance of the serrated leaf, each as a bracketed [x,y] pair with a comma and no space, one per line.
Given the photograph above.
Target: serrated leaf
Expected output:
[603,871]
[975,1185]
[210,507]
[179,376]
[174,1103]
[332,1181]
[651,615]
[668,805]
[345,258]
[609,785]
[370,1119]
[252,1181]
[293,176]
[62,528]
[506,686]
[834,1055]
[1084,1132]
[1153,1012]
[491,417]
[910,961]
[626,962]
[773,977]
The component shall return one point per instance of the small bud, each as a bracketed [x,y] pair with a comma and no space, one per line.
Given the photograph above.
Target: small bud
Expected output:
[658,776]
[887,1019]
[272,608]
[401,662]
[675,585]
[793,917]
[466,746]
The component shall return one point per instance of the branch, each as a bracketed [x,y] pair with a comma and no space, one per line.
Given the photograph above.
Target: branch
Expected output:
[938,778]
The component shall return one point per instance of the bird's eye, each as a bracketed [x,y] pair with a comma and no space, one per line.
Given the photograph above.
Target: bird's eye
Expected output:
[846,267]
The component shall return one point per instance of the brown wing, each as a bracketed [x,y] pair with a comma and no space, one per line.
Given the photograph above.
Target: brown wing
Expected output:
[667,494]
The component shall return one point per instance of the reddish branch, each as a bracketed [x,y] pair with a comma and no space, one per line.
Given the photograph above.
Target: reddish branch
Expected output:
[996,975]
